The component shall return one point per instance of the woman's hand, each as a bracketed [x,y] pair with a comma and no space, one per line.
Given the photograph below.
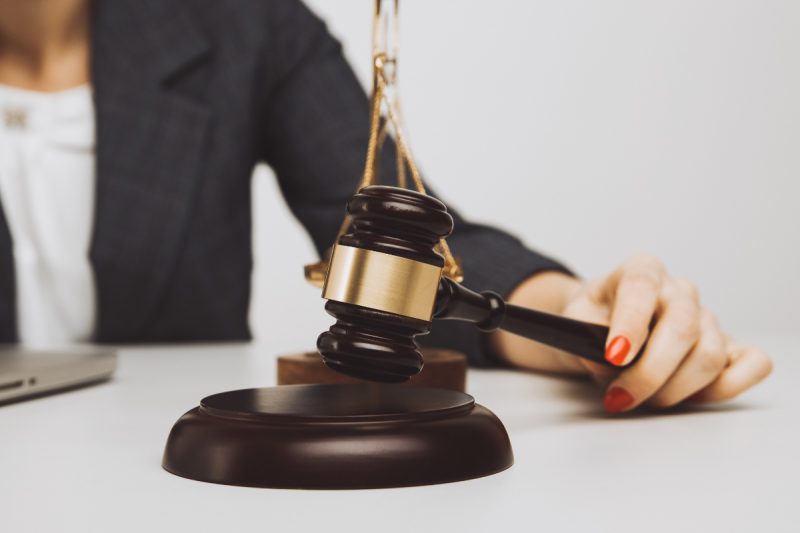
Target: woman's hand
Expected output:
[687,356]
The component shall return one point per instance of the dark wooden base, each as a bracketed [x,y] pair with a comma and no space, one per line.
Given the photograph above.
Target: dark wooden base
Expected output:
[344,436]
[446,369]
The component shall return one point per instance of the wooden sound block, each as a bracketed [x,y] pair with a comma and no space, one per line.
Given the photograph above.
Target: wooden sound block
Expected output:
[337,436]
[446,369]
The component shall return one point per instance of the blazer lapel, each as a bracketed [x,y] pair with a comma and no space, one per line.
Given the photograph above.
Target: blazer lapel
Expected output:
[150,140]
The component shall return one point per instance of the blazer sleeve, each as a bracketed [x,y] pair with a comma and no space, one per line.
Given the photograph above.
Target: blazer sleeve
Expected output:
[315,128]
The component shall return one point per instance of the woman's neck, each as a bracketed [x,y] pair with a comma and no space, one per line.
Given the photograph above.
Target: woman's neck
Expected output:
[44,44]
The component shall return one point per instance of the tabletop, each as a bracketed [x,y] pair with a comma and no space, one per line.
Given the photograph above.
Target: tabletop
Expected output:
[89,459]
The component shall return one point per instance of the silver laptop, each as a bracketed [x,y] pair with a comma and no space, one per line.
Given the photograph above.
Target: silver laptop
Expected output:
[25,373]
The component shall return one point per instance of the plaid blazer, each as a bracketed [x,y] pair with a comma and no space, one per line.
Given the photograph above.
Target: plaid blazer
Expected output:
[189,97]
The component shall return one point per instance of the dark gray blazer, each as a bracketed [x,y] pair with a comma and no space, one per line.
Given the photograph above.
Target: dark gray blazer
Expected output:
[190,95]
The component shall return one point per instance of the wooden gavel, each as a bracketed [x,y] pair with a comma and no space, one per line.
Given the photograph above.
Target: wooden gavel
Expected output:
[384,287]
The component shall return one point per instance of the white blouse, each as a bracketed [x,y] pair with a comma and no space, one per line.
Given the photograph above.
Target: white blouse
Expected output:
[47,180]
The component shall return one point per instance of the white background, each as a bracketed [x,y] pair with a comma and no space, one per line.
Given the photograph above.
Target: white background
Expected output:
[594,130]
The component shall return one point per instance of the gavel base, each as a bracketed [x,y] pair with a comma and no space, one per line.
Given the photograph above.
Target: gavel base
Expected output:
[337,436]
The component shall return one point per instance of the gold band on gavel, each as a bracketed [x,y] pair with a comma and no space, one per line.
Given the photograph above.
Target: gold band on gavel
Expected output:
[382,281]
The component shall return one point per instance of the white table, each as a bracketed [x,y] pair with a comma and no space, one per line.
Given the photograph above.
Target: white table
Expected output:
[89,460]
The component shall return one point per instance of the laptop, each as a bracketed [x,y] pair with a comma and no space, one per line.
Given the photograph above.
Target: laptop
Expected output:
[26,373]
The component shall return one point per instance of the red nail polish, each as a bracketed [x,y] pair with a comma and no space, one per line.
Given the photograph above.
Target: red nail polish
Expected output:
[617,399]
[618,349]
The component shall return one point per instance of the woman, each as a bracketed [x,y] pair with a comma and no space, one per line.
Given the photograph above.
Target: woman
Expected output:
[131,129]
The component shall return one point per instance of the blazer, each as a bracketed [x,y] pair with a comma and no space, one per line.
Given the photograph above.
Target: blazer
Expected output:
[189,96]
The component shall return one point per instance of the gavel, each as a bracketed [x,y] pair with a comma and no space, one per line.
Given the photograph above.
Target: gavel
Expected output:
[384,286]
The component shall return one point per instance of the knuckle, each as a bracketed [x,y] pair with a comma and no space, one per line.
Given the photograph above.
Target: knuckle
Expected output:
[686,323]
[635,311]
[645,280]
[712,359]
[709,320]
[648,383]
[649,262]
[688,288]
[711,351]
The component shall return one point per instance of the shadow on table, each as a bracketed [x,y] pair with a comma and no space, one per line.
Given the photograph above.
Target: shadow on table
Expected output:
[589,401]
[578,400]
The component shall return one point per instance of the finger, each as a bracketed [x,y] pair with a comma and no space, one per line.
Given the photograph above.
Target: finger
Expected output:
[590,307]
[651,266]
[703,365]
[634,293]
[748,367]
[673,337]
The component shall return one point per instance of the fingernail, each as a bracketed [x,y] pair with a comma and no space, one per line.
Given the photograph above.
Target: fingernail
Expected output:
[617,399]
[617,350]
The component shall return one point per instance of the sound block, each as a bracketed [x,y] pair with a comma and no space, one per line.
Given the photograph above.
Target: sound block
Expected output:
[337,436]
[446,369]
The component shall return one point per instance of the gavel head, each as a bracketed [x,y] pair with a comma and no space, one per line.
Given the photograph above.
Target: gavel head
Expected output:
[381,283]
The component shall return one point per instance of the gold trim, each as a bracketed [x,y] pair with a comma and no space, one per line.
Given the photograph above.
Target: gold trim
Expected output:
[382,281]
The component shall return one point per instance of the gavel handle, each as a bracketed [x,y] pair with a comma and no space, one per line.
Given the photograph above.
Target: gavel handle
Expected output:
[488,311]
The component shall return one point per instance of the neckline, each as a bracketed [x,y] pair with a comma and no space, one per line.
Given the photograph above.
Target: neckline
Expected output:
[44,111]
[30,94]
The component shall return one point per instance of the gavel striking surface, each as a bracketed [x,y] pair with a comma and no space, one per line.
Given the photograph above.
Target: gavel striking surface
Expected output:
[446,369]
[343,436]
